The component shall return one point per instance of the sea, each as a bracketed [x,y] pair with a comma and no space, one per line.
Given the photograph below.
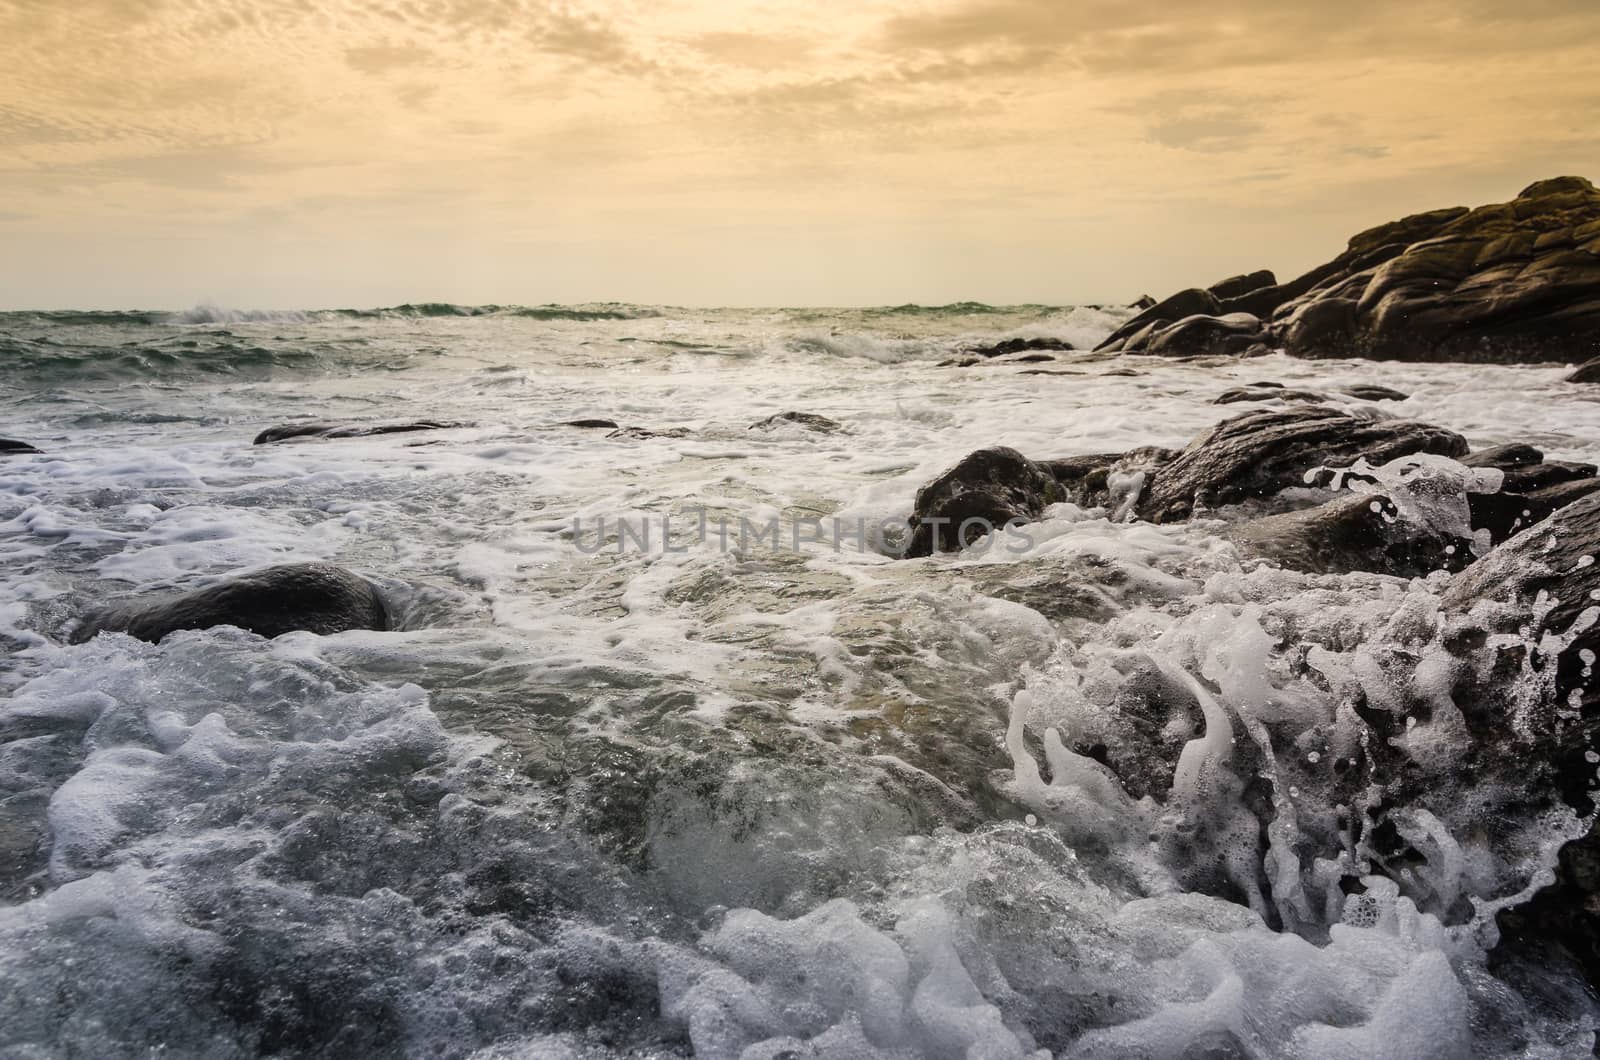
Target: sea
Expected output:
[670,754]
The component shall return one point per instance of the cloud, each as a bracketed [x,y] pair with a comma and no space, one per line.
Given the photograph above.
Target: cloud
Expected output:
[382,58]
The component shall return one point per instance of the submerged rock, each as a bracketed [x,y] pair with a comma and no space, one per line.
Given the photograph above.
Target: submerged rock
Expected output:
[642,433]
[8,445]
[1373,392]
[1275,392]
[592,424]
[287,432]
[1009,346]
[809,420]
[1264,452]
[316,597]
[987,489]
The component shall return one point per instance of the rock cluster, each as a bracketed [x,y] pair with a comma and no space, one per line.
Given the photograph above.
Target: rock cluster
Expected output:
[1509,282]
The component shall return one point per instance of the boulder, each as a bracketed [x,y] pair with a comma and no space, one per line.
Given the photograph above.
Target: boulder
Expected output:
[809,420]
[1587,372]
[317,597]
[1506,457]
[8,445]
[1183,304]
[991,488]
[287,432]
[1514,281]
[1261,453]
[1234,286]
[1200,335]
[1354,533]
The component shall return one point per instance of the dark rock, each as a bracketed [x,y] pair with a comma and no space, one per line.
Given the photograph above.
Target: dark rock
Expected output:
[1505,514]
[596,423]
[809,420]
[1349,534]
[641,433]
[1199,336]
[1183,304]
[1273,393]
[317,597]
[347,430]
[1127,372]
[1264,452]
[1538,586]
[1533,477]
[8,445]
[1006,346]
[1505,457]
[1049,371]
[992,487]
[959,362]
[1087,478]
[1373,392]
[1587,372]
[1142,303]
[1515,281]
[1234,286]
[1029,358]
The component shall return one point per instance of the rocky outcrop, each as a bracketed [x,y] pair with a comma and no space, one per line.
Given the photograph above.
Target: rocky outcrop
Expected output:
[1510,282]
[1264,452]
[1541,587]
[288,432]
[986,490]
[1237,286]
[8,445]
[809,420]
[316,597]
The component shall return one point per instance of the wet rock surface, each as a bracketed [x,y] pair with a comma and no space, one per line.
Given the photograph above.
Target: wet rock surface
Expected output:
[1355,533]
[1019,345]
[988,488]
[10,445]
[809,420]
[315,597]
[293,431]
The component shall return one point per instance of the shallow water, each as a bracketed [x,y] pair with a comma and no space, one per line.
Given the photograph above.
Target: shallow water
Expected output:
[733,798]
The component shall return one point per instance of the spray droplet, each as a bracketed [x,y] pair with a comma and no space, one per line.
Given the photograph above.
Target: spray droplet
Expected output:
[1031,820]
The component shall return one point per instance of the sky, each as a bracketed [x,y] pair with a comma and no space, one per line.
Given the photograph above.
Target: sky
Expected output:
[313,153]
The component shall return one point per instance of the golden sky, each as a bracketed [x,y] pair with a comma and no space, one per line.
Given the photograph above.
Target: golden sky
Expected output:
[309,153]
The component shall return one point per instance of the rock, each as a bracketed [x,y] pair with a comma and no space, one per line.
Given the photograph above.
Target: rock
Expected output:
[1006,346]
[1505,514]
[1373,392]
[1049,371]
[1234,286]
[1538,586]
[347,430]
[1183,304]
[1199,336]
[809,420]
[317,597]
[1087,478]
[8,445]
[1515,281]
[992,487]
[591,424]
[1272,393]
[1142,303]
[959,362]
[641,433]
[1587,372]
[1505,457]
[1261,453]
[1533,477]
[1349,534]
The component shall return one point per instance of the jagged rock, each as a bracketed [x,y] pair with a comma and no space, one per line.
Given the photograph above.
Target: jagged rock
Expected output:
[1349,534]
[1275,392]
[347,430]
[317,597]
[8,445]
[1234,286]
[991,487]
[1515,281]
[591,424]
[1000,349]
[1261,453]
[1587,372]
[642,433]
[809,420]
[1539,586]
[1373,392]
[1183,304]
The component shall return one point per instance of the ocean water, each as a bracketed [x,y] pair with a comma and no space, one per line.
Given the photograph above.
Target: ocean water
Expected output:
[618,787]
